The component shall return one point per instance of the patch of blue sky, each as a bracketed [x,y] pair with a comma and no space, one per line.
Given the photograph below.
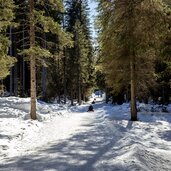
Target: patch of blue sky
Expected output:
[93,13]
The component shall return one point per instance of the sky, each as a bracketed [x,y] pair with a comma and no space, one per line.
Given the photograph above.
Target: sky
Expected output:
[92,6]
[93,13]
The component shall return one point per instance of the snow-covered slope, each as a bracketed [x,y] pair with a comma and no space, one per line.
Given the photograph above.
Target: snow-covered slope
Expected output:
[71,139]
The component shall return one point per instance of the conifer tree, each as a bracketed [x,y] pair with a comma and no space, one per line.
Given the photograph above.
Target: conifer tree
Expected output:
[163,62]
[6,20]
[40,23]
[129,36]
[81,63]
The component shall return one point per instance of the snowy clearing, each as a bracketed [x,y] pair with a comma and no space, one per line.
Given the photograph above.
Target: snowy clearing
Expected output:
[71,139]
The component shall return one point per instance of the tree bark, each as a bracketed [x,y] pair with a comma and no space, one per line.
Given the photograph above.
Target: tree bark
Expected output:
[11,70]
[44,77]
[132,61]
[72,100]
[32,62]
[23,68]
[84,97]
[15,80]
[133,91]
[65,88]
[79,89]
[64,56]
[107,95]
[79,68]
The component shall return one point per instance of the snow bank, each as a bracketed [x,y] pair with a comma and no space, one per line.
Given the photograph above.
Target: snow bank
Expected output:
[20,107]
[16,125]
[73,139]
[153,108]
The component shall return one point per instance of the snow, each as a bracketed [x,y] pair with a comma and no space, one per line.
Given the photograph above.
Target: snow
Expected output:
[68,138]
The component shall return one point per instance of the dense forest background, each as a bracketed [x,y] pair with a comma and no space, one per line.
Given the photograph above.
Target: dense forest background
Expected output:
[66,68]
[47,50]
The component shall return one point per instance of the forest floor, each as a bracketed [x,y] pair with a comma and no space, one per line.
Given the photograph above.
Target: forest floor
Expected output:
[71,139]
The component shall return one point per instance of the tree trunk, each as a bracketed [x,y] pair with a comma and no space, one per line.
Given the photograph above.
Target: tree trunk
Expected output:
[132,61]
[15,80]
[79,72]
[65,90]
[72,100]
[20,77]
[79,89]
[59,87]
[107,95]
[84,97]
[133,91]
[11,70]
[23,69]
[23,78]
[32,61]
[64,55]
[44,77]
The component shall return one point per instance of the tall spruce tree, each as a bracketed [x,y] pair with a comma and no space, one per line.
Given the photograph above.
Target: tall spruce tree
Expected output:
[129,35]
[163,62]
[6,20]
[40,23]
[80,62]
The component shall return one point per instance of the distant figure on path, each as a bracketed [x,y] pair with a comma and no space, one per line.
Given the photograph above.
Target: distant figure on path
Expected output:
[93,102]
[90,109]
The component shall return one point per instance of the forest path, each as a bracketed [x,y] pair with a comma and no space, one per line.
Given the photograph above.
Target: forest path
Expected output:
[92,141]
[75,143]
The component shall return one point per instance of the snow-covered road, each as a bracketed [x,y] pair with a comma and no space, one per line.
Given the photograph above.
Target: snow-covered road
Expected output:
[95,141]
[74,143]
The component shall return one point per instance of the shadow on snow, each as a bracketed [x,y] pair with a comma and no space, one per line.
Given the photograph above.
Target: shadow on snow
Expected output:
[81,152]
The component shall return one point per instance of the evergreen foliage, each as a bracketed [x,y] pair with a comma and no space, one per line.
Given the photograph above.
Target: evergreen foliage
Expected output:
[163,62]
[80,68]
[6,18]
[39,24]
[54,41]
[129,36]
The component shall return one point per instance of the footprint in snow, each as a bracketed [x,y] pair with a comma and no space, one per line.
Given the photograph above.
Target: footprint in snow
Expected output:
[5,147]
